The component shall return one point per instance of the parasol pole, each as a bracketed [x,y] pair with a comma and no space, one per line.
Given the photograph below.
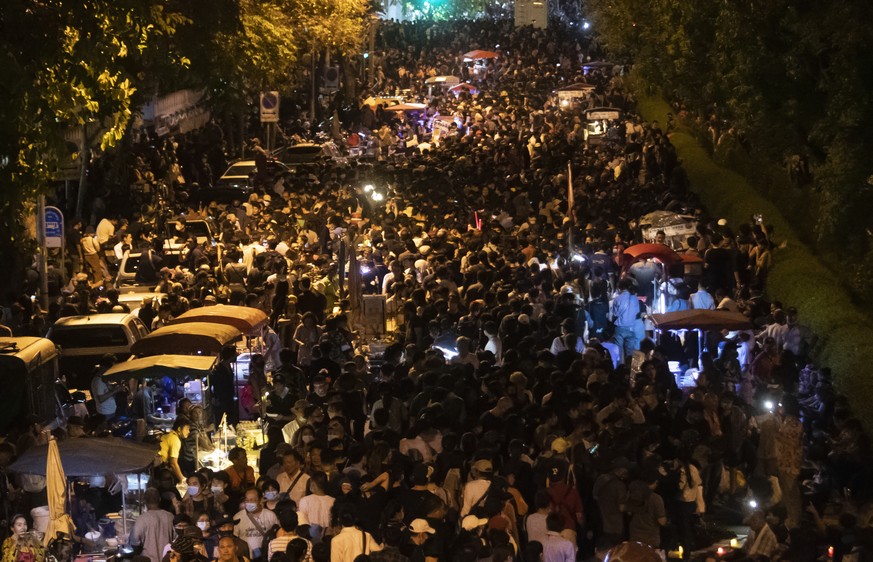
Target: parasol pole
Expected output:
[570,204]
[124,509]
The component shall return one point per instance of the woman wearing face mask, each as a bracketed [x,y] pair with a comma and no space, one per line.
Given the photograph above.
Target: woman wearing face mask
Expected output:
[198,498]
[271,493]
[207,534]
[22,545]
[220,499]
[304,438]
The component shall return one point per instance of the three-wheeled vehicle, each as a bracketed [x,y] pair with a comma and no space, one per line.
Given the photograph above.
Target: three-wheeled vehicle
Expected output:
[28,371]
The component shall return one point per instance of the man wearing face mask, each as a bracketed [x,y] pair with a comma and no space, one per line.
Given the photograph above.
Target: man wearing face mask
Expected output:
[254,523]
[292,480]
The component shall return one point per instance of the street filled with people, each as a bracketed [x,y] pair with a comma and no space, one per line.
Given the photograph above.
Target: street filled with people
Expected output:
[516,400]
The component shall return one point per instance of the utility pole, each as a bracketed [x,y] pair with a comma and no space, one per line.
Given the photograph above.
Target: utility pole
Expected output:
[42,262]
[371,60]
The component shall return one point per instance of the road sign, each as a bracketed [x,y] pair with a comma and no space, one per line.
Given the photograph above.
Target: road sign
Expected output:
[54,227]
[270,107]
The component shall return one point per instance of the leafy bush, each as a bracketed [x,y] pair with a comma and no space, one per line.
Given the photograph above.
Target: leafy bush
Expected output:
[798,278]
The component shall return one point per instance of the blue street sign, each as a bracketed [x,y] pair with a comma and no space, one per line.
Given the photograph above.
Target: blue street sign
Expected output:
[54,227]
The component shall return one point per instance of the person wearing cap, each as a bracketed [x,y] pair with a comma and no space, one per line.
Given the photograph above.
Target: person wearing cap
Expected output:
[566,501]
[474,490]
[154,528]
[420,537]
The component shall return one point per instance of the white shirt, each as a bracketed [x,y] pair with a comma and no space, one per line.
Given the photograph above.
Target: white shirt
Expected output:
[299,489]
[105,230]
[701,300]
[248,531]
[98,387]
[316,509]
[350,543]
[472,493]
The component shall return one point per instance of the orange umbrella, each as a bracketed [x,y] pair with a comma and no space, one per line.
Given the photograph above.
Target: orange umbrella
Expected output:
[479,54]
[56,489]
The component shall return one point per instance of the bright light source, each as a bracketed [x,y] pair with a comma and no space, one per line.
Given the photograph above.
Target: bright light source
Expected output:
[753,504]
[448,353]
[586,25]
[366,55]
[580,258]
[377,196]
[565,103]
[769,405]
[365,270]
[368,188]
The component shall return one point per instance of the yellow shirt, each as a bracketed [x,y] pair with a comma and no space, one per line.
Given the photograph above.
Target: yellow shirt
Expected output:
[171,444]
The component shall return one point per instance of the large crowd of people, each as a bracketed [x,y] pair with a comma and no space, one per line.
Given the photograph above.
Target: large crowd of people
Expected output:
[525,409]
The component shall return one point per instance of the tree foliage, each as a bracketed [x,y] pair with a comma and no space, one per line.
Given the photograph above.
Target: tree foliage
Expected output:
[67,63]
[795,76]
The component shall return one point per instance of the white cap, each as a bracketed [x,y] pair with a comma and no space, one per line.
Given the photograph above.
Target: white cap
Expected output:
[421,526]
[471,522]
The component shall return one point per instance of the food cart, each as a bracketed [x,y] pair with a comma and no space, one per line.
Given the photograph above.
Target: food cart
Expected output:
[118,465]
[441,83]
[573,94]
[701,321]
[479,58]
[598,122]
[28,370]
[441,126]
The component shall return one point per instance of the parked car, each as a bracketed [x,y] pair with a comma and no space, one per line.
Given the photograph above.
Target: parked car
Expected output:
[309,153]
[237,182]
[83,340]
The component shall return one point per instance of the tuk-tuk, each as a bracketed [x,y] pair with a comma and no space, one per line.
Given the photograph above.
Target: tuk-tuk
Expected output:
[28,371]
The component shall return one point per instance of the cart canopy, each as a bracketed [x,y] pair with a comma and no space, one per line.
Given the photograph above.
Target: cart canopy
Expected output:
[187,338]
[243,318]
[701,320]
[173,366]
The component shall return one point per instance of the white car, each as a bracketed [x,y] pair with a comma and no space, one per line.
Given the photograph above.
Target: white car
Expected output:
[83,340]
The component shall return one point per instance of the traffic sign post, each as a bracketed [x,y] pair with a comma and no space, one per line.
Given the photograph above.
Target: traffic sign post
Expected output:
[54,227]
[270,107]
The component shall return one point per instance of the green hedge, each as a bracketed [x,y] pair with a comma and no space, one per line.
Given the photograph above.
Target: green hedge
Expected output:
[798,278]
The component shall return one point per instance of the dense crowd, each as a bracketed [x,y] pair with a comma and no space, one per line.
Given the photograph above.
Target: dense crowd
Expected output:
[526,410]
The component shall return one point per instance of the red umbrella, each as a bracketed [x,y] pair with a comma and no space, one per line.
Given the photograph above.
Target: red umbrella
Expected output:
[645,251]
[464,88]
[701,320]
[479,54]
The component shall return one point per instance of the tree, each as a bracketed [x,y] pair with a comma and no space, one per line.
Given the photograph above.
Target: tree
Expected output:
[66,63]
